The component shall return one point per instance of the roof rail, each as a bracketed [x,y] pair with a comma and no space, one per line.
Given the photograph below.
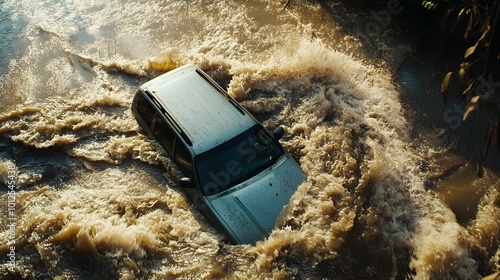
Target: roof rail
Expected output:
[221,90]
[169,118]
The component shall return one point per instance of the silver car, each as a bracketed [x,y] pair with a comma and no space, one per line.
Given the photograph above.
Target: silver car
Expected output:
[236,173]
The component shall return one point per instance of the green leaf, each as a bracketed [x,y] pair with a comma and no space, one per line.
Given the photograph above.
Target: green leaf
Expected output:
[471,106]
[445,85]
[429,5]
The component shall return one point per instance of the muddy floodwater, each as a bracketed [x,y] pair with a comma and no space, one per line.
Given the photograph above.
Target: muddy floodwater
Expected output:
[85,195]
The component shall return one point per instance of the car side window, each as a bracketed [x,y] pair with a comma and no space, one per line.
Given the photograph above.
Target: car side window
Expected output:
[164,135]
[146,110]
[183,159]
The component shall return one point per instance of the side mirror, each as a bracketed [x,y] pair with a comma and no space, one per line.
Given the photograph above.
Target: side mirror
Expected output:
[278,132]
[185,182]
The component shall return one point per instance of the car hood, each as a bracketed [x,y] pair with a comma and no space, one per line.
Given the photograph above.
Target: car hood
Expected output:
[250,211]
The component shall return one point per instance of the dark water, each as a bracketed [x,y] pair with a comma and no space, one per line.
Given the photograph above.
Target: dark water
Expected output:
[387,196]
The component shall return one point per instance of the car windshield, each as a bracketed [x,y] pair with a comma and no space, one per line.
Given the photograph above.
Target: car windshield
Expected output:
[236,160]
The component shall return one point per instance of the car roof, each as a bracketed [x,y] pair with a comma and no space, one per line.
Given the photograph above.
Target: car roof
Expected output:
[201,109]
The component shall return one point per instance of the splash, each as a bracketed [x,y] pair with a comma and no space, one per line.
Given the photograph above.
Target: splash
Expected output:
[351,137]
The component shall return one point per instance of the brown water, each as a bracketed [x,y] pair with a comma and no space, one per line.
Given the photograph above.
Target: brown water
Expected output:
[95,199]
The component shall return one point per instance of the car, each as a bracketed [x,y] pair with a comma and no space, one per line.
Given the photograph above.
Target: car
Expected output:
[235,172]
